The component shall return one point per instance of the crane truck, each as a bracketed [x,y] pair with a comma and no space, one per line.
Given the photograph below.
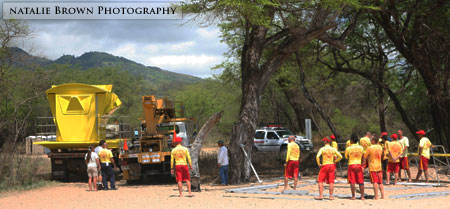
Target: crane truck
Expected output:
[149,154]
[80,113]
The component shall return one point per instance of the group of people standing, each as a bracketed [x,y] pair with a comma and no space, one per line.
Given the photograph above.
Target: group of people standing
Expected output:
[100,163]
[381,155]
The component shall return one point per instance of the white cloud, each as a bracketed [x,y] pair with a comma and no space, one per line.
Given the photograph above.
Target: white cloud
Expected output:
[126,50]
[199,65]
[208,32]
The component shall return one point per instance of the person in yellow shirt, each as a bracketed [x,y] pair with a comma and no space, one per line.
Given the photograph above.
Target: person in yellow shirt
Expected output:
[292,162]
[106,162]
[384,160]
[424,153]
[334,144]
[355,174]
[394,152]
[374,154]
[327,168]
[180,155]
[404,164]
[365,141]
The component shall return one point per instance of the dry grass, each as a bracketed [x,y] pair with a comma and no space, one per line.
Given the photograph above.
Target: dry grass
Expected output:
[20,172]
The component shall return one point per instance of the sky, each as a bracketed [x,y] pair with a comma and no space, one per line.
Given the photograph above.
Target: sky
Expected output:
[174,45]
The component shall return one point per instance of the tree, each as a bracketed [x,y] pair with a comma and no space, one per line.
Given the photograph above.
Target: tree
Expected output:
[20,88]
[264,34]
[371,55]
[420,31]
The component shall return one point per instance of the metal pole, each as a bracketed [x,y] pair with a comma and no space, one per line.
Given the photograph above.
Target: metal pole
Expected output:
[251,164]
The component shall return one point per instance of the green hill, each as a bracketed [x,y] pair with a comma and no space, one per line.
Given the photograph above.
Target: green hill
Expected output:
[163,79]
[154,75]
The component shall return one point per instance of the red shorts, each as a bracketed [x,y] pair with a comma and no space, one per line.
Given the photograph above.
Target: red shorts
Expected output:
[404,164]
[393,167]
[355,174]
[182,173]
[423,164]
[291,170]
[376,177]
[326,173]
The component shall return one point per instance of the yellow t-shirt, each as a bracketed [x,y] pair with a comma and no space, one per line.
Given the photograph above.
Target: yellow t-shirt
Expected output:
[335,145]
[354,154]
[395,148]
[293,152]
[405,144]
[426,145]
[179,154]
[105,156]
[328,153]
[374,153]
[365,142]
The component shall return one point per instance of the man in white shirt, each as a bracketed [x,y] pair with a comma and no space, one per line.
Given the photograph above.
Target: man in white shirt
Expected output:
[100,177]
[222,162]
[404,163]
[100,146]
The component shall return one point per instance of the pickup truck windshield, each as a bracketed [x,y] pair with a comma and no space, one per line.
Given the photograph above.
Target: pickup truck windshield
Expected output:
[284,132]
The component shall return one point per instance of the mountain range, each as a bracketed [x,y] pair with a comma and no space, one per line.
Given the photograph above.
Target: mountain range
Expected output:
[154,75]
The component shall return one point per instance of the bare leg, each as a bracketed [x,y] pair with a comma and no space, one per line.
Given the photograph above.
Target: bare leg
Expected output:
[95,183]
[388,177]
[331,191]
[352,188]
[285,183]
[90,183]
[419,173]
[382,191]
[375,190]
[180,185]
[395,179]
[409,174]
[188,183]
[400,175]
[426,176]
[320,185]
[361,189]
[295,182]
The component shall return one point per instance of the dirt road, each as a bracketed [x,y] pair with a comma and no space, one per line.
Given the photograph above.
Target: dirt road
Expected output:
[75,195]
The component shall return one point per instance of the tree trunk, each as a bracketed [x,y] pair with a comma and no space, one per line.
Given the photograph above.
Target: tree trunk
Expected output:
[197,146]
[380,106]
[243,133]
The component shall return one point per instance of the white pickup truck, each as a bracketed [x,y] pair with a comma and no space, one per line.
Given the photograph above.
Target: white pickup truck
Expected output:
[275,139]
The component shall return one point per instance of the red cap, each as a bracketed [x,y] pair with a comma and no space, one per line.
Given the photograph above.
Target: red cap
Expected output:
[383,134]
[394,136]
[177,139]
[332,137]
[326,139]
[421,132]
